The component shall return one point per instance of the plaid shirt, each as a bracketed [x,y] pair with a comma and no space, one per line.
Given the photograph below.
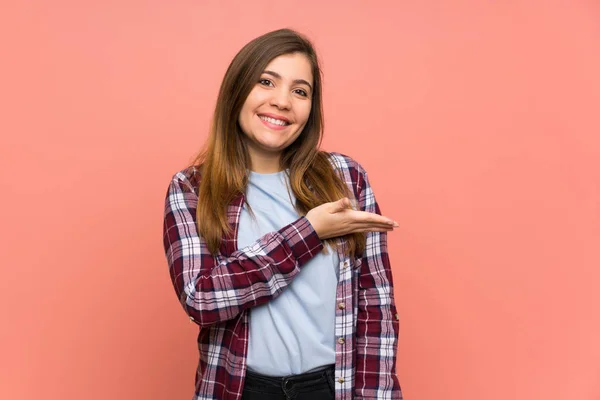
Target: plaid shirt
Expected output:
[218,291]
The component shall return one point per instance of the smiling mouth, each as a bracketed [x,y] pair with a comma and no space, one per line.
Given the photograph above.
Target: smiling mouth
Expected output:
[274,121]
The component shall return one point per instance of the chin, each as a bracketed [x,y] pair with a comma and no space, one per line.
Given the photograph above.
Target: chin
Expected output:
[274,145]
[271,148]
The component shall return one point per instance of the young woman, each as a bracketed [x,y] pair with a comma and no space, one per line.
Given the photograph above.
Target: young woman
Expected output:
[277,250]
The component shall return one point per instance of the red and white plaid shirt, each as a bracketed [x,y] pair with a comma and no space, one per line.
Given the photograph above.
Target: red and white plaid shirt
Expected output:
[218,291]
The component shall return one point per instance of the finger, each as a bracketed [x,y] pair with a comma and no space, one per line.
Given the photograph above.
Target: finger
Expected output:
[361,226]
[367,217]
[346,203]
[374,228]
[367,225]
[378,219]
[378,230]
[341,205]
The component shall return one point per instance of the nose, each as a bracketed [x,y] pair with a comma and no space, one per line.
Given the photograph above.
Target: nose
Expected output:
[281,99]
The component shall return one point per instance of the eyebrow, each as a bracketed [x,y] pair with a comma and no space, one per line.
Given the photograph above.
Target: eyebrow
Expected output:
[276,75]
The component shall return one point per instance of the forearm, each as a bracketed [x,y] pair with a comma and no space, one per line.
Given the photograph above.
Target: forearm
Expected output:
[250,276]
[214,288]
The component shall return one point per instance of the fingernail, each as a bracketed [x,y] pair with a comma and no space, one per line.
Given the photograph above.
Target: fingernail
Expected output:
[396,224]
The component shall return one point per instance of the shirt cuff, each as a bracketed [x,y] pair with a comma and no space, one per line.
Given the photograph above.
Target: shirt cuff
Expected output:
[302,239]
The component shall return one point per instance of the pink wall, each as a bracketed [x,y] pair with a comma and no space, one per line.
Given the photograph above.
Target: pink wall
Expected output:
[477,121]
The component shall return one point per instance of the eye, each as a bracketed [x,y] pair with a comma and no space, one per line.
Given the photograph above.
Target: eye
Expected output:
[265,82]
[301,92]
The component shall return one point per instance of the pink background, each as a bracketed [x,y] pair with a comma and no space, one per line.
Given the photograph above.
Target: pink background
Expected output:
[477,121]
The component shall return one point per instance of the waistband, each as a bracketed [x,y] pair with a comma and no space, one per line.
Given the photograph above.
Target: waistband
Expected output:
[292,379]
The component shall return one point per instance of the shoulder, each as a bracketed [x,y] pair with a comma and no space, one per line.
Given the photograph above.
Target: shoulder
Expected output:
[344,163]
[350,170]
[188,179]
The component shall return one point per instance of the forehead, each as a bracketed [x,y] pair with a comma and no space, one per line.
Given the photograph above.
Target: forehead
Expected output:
[291,67]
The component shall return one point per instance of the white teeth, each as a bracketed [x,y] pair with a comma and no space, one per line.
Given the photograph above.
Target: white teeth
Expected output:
[273,120]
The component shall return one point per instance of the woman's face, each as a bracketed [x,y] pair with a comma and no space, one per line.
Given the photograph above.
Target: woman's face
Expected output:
[277,108]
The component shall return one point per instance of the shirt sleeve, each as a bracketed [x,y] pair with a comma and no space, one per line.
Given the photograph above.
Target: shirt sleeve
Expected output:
[213,289]
[377,322]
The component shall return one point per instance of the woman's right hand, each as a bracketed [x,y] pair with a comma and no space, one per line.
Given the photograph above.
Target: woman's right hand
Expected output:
[337,218]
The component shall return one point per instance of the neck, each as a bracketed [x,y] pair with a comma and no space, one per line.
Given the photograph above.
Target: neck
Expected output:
[264,162]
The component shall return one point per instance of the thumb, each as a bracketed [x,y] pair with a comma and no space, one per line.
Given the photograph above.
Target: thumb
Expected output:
[341,205]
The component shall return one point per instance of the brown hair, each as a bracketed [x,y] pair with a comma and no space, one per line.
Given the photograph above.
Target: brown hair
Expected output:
[224,161]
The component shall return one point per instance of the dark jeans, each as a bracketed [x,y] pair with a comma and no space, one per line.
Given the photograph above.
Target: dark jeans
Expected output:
[311,386]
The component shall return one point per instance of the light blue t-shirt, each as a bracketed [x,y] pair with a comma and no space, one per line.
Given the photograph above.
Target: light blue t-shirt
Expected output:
[293,333]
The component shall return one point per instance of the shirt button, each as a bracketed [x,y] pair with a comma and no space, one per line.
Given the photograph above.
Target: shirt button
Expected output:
[341,340]
[341,306]
[341,380]
[346,264]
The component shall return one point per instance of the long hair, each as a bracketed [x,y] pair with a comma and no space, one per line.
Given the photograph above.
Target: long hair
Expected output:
[223,163]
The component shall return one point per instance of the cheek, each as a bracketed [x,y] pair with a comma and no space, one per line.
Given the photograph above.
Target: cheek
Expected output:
[304,112]
[245,118]
[252,102]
